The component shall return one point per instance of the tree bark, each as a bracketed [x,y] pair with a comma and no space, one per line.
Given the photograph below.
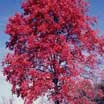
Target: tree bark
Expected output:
[55,80]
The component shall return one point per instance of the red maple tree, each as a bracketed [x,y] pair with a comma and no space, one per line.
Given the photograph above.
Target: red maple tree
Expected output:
[52,43]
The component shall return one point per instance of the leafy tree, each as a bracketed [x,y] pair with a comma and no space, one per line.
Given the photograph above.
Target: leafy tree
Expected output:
[52,43]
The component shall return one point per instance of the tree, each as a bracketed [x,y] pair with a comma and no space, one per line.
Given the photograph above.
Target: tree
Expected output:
[52,43]
[8,101]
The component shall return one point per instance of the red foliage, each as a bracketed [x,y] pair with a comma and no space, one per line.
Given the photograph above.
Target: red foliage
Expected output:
[52,42]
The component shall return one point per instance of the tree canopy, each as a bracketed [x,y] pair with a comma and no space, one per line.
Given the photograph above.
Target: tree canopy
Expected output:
[52,43]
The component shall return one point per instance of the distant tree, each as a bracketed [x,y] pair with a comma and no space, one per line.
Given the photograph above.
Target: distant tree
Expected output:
[52,43]
[8,101]
[100,92]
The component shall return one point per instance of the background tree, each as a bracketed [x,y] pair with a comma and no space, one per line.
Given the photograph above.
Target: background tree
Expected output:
[8,101]
[52,43]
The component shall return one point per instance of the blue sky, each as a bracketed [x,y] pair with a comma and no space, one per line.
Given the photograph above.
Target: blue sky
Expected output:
[97,9]
[9,7]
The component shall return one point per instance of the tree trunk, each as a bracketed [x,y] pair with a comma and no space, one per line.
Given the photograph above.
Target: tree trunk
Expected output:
[57,102]
[55,80]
